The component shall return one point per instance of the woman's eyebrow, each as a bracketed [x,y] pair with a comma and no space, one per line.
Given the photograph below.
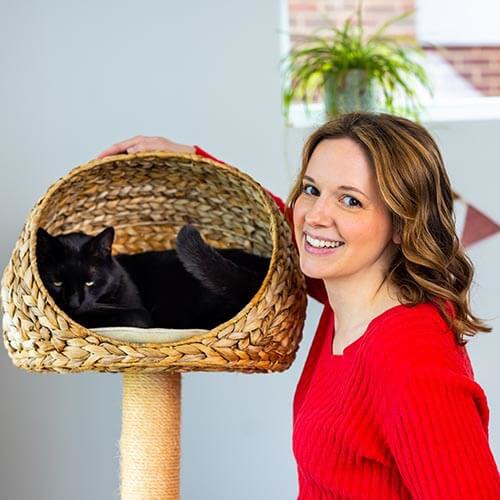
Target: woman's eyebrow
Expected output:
[345,188]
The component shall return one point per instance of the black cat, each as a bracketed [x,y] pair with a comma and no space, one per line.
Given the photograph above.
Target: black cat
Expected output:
[193,286]
[87,282]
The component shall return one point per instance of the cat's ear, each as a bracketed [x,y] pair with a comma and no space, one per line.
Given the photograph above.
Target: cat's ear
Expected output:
[47,246]
[100,245]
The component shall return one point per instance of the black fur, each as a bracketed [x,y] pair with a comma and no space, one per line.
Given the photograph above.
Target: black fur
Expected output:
[76,259]
[194,286]
[229,273]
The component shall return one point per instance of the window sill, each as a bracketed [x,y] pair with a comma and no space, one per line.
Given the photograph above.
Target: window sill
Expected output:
[444,110]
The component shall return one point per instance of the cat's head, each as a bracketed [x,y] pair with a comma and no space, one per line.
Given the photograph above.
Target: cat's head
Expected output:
[77,269]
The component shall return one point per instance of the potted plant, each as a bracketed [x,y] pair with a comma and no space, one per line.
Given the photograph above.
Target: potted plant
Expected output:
[355,71]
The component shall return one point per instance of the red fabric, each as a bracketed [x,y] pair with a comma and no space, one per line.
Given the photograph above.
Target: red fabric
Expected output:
[397,416]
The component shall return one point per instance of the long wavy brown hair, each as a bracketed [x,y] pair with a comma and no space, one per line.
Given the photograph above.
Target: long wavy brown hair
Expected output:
[430,263]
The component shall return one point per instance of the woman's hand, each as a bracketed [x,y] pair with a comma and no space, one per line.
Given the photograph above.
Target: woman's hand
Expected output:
[142,143]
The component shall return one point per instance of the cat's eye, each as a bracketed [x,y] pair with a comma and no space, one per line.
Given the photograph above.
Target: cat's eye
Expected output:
[57,283]
[89,283]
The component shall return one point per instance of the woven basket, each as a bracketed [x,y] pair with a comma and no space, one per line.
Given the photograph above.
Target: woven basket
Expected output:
[148,197]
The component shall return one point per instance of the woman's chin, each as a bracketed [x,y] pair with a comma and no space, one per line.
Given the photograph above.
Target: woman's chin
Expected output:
[313,271]
[317,262]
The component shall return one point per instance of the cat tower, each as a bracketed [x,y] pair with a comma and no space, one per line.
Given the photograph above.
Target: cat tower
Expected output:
[148,197]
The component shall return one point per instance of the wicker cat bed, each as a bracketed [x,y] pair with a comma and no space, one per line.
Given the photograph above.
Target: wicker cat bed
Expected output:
[148,197]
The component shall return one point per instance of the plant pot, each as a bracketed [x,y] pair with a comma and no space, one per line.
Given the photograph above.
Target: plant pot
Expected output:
[353,91]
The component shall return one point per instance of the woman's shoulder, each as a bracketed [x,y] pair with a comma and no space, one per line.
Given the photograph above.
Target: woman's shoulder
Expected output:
[409,318]
[411,337]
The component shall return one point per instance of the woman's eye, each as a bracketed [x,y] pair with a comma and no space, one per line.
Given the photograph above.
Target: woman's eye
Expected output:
[309,189]
[351,205]
[57,283]
[89,283]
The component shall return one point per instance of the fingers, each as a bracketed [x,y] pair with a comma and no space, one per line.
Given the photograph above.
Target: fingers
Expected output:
[146,145]
[121,147]
[141,143]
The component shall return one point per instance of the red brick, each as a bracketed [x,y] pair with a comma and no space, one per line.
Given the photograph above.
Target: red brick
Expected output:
[317,23]
[489,48]
[475,61]
[301,7]
[387,10]
[461,48]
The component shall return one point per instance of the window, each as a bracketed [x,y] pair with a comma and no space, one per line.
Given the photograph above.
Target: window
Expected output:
[460,38]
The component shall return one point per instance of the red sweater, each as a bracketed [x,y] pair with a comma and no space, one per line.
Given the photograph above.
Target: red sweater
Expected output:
[397,416]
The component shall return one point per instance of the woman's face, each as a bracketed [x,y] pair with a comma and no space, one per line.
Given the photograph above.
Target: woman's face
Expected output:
[340,202]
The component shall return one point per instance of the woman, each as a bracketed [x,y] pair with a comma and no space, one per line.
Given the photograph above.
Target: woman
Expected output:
[386,406]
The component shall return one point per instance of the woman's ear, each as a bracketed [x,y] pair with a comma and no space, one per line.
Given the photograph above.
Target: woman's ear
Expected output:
[396,238]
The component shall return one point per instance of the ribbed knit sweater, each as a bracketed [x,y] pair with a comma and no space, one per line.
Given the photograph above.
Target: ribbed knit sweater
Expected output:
[397,416]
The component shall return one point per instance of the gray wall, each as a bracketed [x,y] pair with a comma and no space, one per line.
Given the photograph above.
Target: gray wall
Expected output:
[77,77]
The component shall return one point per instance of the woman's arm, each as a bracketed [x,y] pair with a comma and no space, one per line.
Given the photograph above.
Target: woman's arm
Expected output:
[437,434]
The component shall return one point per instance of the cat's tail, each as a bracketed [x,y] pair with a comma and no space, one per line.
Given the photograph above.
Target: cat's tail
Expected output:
[216,272]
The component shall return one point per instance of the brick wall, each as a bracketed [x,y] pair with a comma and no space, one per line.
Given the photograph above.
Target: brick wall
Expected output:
[307,15]
[479,65]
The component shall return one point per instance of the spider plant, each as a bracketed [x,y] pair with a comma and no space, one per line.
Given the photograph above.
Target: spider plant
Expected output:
[356,71]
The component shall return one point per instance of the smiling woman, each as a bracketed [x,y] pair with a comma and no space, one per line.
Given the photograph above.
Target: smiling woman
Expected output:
[388,363]
[402,227]
[325,211]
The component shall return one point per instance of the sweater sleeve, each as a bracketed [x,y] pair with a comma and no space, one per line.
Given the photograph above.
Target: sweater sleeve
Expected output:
[315,287]
[437,434]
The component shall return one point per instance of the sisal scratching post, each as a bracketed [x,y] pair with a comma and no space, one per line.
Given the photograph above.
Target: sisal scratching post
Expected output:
[147,198]
[150,438]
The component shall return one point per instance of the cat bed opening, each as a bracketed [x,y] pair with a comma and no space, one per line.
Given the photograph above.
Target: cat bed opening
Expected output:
[147,198]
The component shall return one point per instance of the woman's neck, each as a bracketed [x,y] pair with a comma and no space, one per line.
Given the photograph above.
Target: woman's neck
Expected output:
[357,301]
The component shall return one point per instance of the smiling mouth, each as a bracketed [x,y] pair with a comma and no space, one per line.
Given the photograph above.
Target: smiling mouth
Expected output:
[320,244]
[312,250]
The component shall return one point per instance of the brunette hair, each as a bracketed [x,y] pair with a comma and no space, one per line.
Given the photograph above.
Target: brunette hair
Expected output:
[430,263]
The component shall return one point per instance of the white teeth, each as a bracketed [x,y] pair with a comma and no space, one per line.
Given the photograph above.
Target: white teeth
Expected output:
[322,243]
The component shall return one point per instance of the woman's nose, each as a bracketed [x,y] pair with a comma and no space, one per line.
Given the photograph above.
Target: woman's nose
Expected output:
[319,214]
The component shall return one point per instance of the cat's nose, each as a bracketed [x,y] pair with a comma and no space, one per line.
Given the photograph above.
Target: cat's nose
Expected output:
[74,301]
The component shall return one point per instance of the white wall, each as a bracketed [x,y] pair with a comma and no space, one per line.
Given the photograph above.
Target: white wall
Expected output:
[458,22]
[76,77]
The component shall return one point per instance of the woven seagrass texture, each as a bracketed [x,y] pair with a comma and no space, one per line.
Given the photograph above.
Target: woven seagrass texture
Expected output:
[148,197]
